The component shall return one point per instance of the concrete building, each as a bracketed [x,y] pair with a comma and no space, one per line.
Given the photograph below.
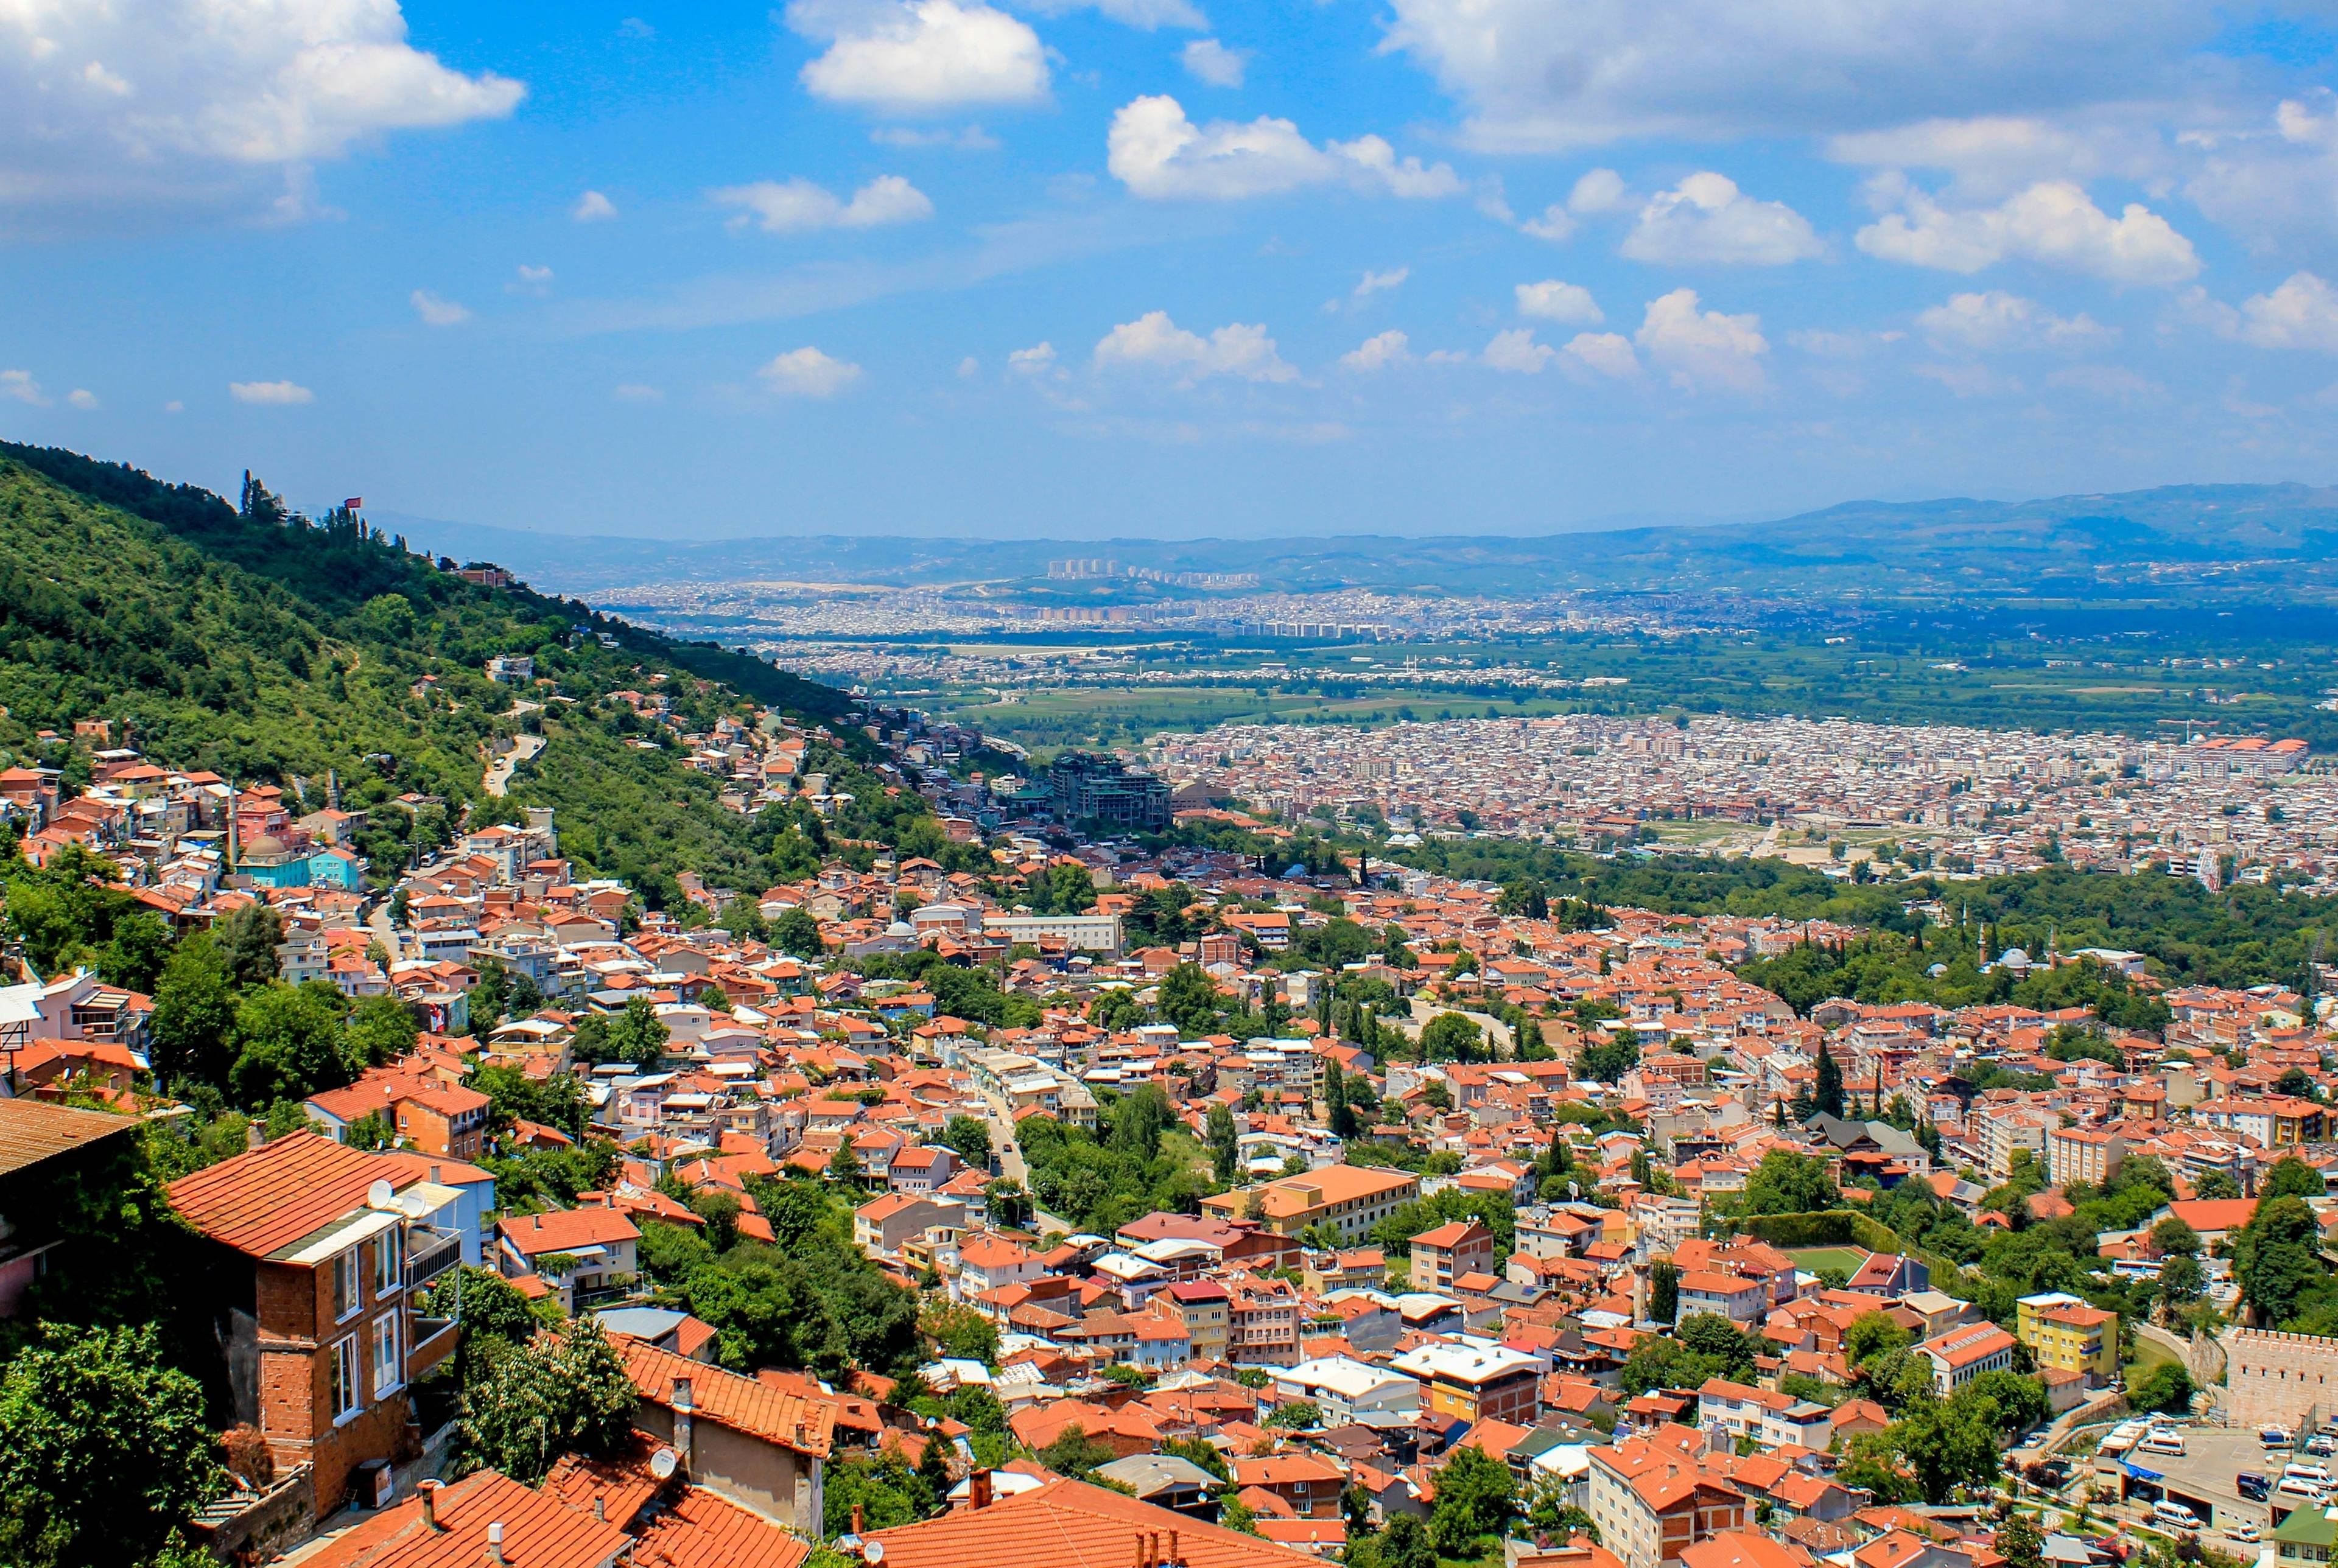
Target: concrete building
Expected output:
[1474,1381]
[1351,1198]
[2066,1334]
[2290,1379]
[1652,1502]
[2083,1154]
[1349,1390]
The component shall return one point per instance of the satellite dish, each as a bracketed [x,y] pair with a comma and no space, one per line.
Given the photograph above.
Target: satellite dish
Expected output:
[663,1464]
[380,1195]
[872,1551]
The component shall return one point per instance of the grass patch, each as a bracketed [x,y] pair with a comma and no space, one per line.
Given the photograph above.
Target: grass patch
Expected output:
[1813,1259]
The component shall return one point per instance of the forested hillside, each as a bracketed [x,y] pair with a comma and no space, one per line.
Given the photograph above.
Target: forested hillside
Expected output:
[244,639]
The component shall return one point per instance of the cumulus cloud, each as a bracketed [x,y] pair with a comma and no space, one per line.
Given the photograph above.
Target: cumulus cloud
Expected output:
[1380,282]
[2054,223]
[438,312]
[1515,351]
[169,99]
[1967,379]
[1552,300]
[786,207]
[807,372]
[271,394]
[1703,349]
[1377,352]
[1036,360]
[1993,156]
[2277,186]
[1995,321]
[912,56]
[1154,342]
[2301,313]
[1707,219]
[1209,61]
[1147,15]
[593,207]
[81,398]
[531,278]
[1160,154]
[1607,353]
[1537,76]
[18,386]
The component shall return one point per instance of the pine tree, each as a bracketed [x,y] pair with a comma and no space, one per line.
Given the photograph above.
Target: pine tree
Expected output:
[1336,1112]
[1826,1094]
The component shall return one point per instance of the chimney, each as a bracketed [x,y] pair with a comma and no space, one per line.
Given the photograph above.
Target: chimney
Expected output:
[684,1428]
[1140,1562]
[434,1173]
[978,1490]
[859,1525]
[600,1509]
[430,1490]
[1176,1558]
[495,1542]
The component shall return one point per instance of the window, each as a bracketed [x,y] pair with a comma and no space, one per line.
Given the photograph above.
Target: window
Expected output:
[344,1377]
[386,1264]
[387,1372]
[346,1298]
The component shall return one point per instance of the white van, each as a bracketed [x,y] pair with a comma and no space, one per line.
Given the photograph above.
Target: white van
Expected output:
[2164,1442]
[2317,1473]
[2175,1515]
[2275,1437]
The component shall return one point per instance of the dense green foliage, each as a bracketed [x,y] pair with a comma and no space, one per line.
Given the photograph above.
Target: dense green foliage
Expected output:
[1135,1163]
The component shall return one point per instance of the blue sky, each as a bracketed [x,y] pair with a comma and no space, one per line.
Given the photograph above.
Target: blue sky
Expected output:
[1081,267]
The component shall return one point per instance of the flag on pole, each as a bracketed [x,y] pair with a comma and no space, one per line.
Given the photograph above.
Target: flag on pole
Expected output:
[354,502]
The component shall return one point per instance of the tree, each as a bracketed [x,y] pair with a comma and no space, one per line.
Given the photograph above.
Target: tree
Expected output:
[194,1014]
[637,1035]
[1826,1092]
[291,1042]
[969,1137]
[381,1030]
[2181,1279]
[1476,1497]
[744,919]
[1871,1463]
[1338,1115]
[523,1406]
[2171,1238]
[2274,1258]
[1948,1444]
[2217,1184]
[1664,1290]
[1450,1038]
[2167,1386]
[104,1451]
[1404,1544]
[1224,1153]
[1188,998]
[136,954]
[1007,1203]
[2020,1543]
[796,934]
[1710,1334]
[1606,1061]
[1298,1414]
[1872,1334]
[960,1331]
[2290,1178]
[248,937]
[844,1165]
[1786,1183]
[1076,1453]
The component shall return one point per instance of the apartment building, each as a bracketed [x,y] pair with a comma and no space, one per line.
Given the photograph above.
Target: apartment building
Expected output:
[1767,1417]
[2065,1333]
[1346,1390]
[2276,1122]
[1476,1380]
[2083,1154]
[1441,1255]
[2002,1133]
[1961,1355]
[1263,1322]
[1351,1198]
[311,1259]
[1652,1501]
[1206,1310]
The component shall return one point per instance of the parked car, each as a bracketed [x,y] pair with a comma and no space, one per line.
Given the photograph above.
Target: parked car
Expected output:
[2251,1485]
[2276,1437]
[2247,1530]
[2323,1446]
[2174,1515]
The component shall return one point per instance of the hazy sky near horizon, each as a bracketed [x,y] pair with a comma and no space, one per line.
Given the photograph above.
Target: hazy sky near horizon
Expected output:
[1080,267]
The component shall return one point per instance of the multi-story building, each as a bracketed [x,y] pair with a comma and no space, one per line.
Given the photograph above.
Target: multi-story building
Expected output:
[1346,1389]
[1476,1380]
[309,1265]
[2004,1132]
[1351,1198]
[1652,1501]
[1090,788]
[2276,1122]
[881,1226]
[1263,1322]
[2083,1154]
[1963,1354]
[1767,1417]
[2065,1333]
[1207,1311]
[1740,1300]
[1441,1255]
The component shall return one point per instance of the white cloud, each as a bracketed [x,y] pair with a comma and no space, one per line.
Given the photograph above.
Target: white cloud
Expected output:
[1554,225]
[1703,348]
[1552,300]
[81,398]
[1036,360]
[1160,154]
[969,139]
[1598,191]
[438,312]
[1154,341]
[1147,15]
[19,387]
[530,279]
[271,394]
[634,27]
[2053,221]
[913,56]
[1377,352]
[1707,219]
[1515,351]
[635,392]
[1986,323]
[174,406]
[1607,353]
[1539,76]
[1993,156]
[807,372]
[593,207]
[1210,60]
[169,100]
[778,208]
[2301,313]
[1380,282]
[2279,188]
[1970,381]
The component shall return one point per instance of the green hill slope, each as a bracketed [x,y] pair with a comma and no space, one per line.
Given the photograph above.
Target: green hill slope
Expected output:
[251,644]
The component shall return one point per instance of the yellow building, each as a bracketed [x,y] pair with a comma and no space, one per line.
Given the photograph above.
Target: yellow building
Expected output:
[2064,1332]
[1353,1198]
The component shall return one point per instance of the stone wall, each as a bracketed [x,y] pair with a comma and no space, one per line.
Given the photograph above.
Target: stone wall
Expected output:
[2286,1378]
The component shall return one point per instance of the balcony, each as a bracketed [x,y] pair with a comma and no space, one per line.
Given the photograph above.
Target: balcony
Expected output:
[433,1252]
[433,1341]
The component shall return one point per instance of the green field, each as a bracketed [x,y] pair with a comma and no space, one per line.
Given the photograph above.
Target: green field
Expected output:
[1814,1259]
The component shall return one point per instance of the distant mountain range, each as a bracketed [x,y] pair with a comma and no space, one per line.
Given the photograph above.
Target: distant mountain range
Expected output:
[2186,542]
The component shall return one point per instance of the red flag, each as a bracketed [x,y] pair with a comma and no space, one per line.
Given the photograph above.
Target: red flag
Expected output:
[354,502]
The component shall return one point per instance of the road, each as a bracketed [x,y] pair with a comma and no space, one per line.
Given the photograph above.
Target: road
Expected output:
[2204,1474]
[1011,1168]
[522,748]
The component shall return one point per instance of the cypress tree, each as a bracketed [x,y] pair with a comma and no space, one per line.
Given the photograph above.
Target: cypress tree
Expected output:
[1826,1094]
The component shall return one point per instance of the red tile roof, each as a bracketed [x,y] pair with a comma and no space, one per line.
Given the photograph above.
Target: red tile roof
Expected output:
[265,1200]
[700,1530]
[565,1231]
[1068,1525]
[775,1414]
[539,1531]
